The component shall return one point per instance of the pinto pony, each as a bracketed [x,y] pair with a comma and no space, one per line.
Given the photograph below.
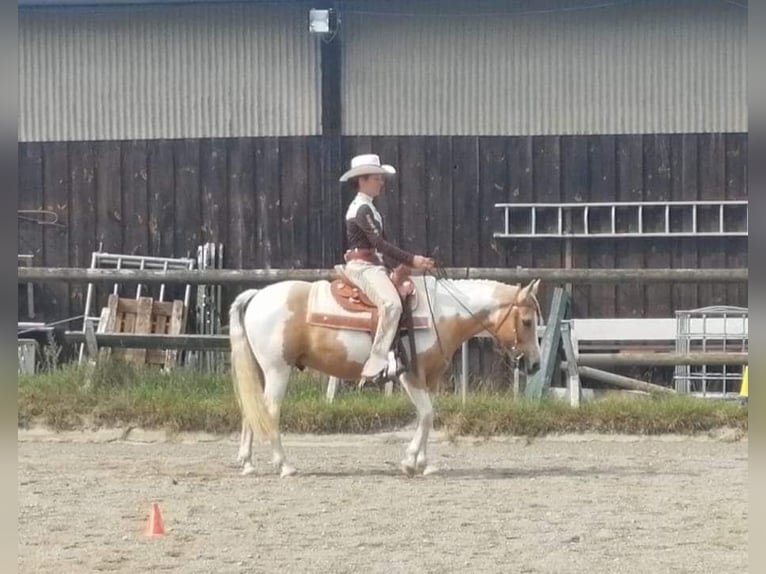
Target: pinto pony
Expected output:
[271,334]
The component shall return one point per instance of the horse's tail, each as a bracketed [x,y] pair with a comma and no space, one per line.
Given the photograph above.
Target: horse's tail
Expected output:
[246,372]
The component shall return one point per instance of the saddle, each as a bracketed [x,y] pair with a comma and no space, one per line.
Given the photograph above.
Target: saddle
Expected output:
[353,299]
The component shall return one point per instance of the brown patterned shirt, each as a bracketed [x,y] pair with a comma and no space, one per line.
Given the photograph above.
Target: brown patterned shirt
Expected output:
[364,230]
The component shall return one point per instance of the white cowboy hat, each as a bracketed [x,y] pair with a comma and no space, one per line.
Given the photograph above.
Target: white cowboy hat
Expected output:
[367,164]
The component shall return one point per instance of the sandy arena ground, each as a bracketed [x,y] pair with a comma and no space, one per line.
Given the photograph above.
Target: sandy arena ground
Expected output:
[560,505]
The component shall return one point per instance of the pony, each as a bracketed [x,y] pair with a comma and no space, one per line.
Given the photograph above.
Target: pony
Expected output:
[271,334]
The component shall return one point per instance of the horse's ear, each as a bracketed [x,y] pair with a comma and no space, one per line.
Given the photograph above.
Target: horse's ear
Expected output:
[524,293]
[535,285]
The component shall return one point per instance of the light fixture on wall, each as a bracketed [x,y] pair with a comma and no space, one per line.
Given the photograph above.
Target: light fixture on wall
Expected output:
[323,21]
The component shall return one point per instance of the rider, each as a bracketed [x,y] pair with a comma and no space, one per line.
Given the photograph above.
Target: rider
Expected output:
[370,257]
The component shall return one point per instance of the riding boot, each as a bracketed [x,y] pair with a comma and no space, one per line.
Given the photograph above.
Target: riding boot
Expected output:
[374,282]
[391,372]
[395,366]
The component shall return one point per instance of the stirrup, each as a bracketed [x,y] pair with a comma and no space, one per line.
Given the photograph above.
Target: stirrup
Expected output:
[391,372]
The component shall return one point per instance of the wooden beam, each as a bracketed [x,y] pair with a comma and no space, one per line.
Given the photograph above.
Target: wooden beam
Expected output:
[91,344]
[153,341]
[541,381]
[221,342]
[261,277]
[573,376]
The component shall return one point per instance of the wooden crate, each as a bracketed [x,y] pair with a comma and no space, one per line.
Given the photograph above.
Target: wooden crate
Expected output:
[143,316]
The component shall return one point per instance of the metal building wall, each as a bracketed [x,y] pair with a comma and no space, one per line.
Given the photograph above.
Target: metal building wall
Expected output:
[167,72]
[481,69]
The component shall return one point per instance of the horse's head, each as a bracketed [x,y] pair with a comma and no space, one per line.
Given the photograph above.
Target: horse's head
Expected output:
[515,326]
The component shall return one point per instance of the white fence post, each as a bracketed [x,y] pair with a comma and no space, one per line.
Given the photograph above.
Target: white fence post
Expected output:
[332,387]
[464,371]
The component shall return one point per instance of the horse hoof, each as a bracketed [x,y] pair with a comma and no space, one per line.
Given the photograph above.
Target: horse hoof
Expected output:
[430,469]
[408,469]
[287,470]
[249,469]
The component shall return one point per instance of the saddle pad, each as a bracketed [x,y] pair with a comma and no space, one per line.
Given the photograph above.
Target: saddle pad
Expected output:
[324,310]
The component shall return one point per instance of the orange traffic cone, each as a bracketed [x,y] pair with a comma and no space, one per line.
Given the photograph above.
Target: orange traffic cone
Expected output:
[154,527]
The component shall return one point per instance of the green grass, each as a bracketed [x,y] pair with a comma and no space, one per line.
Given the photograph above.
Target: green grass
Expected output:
[116,394]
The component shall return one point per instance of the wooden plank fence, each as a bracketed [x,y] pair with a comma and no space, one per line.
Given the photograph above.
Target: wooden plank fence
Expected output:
[275,202]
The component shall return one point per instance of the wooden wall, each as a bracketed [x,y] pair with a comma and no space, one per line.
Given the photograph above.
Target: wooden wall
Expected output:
[276,202]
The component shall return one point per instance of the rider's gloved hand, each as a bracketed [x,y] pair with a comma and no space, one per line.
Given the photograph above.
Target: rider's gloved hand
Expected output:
[425,263]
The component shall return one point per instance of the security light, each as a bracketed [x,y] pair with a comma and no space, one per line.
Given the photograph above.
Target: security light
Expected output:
[323,21]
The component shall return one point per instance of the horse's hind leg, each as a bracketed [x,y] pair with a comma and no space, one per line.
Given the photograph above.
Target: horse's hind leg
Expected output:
[274,391]
[245,453]
[415,457]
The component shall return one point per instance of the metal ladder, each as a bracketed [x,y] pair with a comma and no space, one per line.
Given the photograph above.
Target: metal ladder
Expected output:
[726,218]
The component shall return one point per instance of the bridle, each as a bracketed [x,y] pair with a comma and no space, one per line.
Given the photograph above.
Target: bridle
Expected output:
[513,309]
[513,351]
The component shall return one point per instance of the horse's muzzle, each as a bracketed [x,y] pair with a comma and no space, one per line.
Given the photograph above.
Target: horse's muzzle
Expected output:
[530,368]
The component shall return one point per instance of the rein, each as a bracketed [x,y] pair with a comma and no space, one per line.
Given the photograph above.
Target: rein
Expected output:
[441,277]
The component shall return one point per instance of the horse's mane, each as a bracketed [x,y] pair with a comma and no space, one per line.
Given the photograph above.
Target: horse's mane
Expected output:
[432,284]
[488,283]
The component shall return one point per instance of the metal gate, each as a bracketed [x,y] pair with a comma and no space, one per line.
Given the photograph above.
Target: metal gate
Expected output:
[713,329]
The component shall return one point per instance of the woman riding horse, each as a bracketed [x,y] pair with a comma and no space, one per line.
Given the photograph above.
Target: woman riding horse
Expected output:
[370,258]
[272,330]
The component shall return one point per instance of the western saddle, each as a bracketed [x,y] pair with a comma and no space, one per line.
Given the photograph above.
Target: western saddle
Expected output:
[350,297]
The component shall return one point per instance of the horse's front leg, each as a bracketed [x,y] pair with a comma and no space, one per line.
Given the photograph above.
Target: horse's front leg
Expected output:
[421,462]
[415,457]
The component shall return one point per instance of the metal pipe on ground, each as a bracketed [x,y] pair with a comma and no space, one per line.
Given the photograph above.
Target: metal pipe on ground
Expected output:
[636,359]
[623,382]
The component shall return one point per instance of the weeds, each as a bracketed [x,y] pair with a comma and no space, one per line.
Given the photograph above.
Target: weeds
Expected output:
[51,353]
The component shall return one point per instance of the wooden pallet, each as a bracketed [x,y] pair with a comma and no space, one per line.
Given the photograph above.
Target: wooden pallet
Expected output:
[143,316]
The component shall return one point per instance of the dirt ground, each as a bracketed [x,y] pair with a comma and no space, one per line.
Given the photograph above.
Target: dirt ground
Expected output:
[559,505]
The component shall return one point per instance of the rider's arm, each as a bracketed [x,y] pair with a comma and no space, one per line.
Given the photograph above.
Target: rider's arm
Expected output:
[390,252]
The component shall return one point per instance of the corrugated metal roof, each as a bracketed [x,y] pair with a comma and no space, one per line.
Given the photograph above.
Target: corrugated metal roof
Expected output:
[244,70]
[646,67]
[167,72]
